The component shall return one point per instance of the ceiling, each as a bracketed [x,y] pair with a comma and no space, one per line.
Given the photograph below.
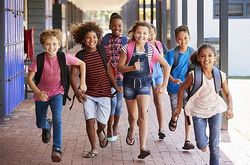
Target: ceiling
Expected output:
[99,4]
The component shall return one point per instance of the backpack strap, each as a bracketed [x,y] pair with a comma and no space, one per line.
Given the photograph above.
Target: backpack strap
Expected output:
[177,55]
[217,79]
[40,63]
[65,75]
[101,49]
[198,80]
[105,39]
[159,46]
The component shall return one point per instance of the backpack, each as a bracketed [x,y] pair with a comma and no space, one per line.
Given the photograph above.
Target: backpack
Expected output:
[131,46]
[65,76]
[81,55]
[105,39]
[177,55]
[159,46]
[198,80]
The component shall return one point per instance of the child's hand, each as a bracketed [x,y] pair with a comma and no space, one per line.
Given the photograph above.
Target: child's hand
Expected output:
[83,88]
[161,90]
[137,65]
[42,96]
[177,81]
[229,113]
[118,89]
[80,95]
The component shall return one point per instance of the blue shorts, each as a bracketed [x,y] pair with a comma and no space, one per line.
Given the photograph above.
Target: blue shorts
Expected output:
[157,76]
[133,86]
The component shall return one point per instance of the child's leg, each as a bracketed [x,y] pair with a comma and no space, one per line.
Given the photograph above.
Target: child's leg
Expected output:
[158,97]
[214,137]
[188,127]
[56,105]
[143,104]
[118,112]
[41,109]
[201,138]
[89,108]
[111,117]
[132,117]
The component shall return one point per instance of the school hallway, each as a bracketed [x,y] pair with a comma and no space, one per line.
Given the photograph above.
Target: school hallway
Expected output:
[21,144]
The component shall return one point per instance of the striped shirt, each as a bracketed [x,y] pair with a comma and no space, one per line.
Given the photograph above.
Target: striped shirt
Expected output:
[97,80]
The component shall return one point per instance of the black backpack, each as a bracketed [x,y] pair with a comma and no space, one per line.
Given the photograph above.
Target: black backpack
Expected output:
[65,75]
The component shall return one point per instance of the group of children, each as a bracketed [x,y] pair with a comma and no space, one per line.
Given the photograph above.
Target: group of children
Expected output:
[113,67]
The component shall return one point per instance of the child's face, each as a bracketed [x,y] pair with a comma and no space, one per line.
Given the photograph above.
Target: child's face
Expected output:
[206,57]
[116,27]
[152,34]
[182,39]
[91,40]
[141,34]
[51,46]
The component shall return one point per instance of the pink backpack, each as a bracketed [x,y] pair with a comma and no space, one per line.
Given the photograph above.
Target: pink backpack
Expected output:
[154,59]
[159,46]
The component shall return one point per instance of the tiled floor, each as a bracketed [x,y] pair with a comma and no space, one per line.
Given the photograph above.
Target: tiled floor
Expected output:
[20,141]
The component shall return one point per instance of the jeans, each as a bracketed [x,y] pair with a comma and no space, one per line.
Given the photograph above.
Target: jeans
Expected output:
[116,103]
[202,140]
[56,106]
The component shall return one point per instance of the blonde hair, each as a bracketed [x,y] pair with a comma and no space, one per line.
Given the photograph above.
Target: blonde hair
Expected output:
[48,33]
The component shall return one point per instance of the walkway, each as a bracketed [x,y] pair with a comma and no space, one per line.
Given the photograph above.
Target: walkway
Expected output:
[20,141]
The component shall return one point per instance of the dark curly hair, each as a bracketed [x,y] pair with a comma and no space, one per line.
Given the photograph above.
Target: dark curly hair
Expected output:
[79,31]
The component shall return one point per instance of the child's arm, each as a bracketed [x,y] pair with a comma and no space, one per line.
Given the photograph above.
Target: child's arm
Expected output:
[73,78]
[123,68]
[166,74]
[229,114]
[112,78]
[82,68]
[187,84]
[40,94]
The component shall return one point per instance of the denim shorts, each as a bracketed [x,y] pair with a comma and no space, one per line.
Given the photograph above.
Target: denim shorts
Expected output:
[133,86]
[157,76]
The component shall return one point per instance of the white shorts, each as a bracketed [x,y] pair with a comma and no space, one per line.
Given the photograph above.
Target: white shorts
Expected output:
[98,108]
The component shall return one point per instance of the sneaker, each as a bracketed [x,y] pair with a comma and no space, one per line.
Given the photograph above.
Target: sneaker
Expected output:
[46,133]
[56,156]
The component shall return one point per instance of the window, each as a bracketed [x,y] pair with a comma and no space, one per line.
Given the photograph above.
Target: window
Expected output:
[236,8]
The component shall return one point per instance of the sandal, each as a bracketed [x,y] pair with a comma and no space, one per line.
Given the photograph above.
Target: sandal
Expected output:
[104,142]
[188,145]
[172,124]
[91,154]
[130,141]
[161,134]
[144,153]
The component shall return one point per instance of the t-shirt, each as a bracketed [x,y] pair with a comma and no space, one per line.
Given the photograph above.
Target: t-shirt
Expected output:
[206,102]
[97,79]
[179,72]
[50,81]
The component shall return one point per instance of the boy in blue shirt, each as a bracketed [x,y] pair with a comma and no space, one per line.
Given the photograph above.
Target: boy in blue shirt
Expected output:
[179,58]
